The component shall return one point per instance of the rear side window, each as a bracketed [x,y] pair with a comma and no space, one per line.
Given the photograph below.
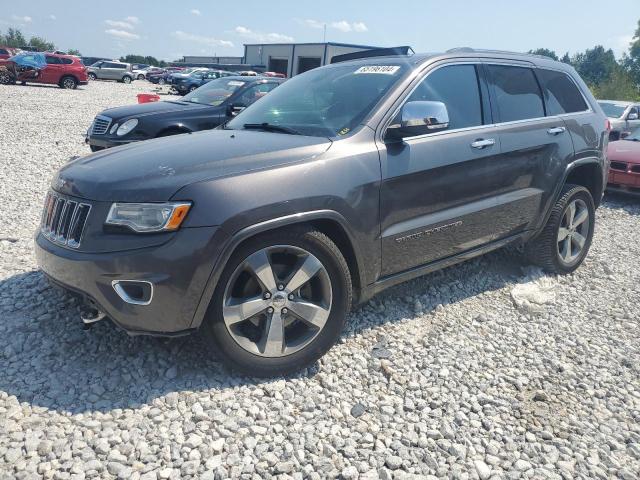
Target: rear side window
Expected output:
[457,87]
[560,93]
[517,93]
[52,60]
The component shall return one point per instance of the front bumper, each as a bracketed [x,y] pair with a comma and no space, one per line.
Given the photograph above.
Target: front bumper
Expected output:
[624,181]
[178,270]
[107,141]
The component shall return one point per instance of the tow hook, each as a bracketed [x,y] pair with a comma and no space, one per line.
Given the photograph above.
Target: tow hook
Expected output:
[90,316]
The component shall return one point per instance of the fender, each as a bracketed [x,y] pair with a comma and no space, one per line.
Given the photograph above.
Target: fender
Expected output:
[556,194]
[252,230]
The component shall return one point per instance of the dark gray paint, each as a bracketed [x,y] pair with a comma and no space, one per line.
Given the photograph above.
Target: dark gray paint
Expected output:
[453,202]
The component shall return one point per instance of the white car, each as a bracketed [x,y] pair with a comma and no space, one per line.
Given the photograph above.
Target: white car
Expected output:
[624,117]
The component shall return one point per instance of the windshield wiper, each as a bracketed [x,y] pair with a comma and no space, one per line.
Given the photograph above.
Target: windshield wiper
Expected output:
[270,127]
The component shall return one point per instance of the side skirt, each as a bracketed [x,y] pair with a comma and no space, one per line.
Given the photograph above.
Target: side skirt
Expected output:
[396,278]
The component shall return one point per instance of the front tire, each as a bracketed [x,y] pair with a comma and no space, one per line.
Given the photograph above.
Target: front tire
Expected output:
[192,89]
[280,303]
[564,242]
[5,78]
[69,83]
[92,76]
[140,77]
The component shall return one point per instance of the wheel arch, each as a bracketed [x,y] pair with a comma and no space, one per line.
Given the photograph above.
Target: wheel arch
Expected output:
[589,174]
[329,222]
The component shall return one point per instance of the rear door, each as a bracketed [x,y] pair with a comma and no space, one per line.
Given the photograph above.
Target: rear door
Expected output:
[536,147]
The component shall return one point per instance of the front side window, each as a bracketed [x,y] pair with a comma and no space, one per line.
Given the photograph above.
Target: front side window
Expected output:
[52,60]
[328,102]
[560,93]
[457,87]
[516,91]
[255,93]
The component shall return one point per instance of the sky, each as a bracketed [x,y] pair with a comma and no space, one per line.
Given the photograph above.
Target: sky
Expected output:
[170,30]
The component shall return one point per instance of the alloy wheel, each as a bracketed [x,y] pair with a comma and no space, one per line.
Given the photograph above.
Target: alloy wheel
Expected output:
[277,301]
[69,83]
[573,231]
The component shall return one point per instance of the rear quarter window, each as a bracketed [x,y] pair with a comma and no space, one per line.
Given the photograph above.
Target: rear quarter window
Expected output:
[66,61]
[516,92]
[560,93]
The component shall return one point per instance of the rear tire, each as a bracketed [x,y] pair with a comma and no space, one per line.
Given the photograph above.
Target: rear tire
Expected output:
[301,342]
[564,242]
[140,77]
[127,79]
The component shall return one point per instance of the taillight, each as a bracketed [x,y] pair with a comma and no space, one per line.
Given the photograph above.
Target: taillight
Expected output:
[607,125]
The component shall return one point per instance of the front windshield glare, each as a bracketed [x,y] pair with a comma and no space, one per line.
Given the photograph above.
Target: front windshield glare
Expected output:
[612,110]
[214,92]
[329,101]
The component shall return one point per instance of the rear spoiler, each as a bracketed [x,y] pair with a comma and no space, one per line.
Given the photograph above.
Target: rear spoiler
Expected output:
[374,52]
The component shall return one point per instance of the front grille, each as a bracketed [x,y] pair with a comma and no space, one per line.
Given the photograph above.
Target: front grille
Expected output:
[621,166]
[63,220]
[100,125]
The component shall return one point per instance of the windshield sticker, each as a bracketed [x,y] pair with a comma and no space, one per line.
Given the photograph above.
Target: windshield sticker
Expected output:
[235,83]
[344,131]
[383,69]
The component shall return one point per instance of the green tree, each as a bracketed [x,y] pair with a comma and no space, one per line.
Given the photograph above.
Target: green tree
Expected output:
[545,52]
[631,60]
[620,86]
[39,44]
[148,60]
[13,38]
[566,58]
[73,51]
[595,65]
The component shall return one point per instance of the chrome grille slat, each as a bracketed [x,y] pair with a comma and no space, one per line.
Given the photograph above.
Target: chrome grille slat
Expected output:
[63,220]
[100,125]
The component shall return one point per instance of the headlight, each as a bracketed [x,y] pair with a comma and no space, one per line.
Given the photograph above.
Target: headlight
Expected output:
[148,217]
[127,126]
[113,129]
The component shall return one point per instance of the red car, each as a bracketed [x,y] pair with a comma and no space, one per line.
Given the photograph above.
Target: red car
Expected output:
[66,71]
[6,52]
[624,171]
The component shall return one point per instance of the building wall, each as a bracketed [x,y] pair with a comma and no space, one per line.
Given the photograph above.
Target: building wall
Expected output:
[261,54]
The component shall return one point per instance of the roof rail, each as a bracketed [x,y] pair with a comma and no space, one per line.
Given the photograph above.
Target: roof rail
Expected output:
[374,52]
[481,50]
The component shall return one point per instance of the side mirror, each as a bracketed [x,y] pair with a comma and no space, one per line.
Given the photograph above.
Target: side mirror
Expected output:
[419,118]
[236,108]
[632,116]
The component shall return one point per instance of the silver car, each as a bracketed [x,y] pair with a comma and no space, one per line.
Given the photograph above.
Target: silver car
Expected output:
[111,70]
[624,117]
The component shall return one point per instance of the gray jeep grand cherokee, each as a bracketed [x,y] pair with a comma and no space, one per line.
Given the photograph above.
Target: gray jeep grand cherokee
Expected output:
[345,180]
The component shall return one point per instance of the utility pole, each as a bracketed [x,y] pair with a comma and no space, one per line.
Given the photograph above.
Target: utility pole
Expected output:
[324,35]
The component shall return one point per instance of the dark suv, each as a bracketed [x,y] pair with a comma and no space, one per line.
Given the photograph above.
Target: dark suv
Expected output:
[341,182]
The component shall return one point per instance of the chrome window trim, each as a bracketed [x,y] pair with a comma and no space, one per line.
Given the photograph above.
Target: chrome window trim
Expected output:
[492,125]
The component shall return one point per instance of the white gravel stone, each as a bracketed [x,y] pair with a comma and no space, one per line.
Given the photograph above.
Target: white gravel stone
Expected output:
[490,369]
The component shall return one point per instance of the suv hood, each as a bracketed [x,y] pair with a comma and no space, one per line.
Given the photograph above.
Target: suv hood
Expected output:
[154,170]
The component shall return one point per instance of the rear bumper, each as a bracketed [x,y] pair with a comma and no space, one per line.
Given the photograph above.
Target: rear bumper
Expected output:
[628,182]
[178,271]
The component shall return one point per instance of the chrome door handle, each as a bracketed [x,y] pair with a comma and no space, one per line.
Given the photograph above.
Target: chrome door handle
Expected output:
[483,143]
[556,131]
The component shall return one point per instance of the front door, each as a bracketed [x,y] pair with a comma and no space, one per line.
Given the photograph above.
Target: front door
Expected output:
[439,191]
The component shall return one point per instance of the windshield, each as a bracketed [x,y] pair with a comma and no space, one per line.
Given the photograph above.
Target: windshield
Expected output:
[215,92]
[326,102]
[612,110]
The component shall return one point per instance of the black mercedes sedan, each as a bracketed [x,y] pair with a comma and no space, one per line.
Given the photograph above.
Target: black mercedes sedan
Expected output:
[203,109]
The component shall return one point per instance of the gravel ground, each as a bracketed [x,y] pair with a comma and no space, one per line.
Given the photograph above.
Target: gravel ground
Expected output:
[485,370]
